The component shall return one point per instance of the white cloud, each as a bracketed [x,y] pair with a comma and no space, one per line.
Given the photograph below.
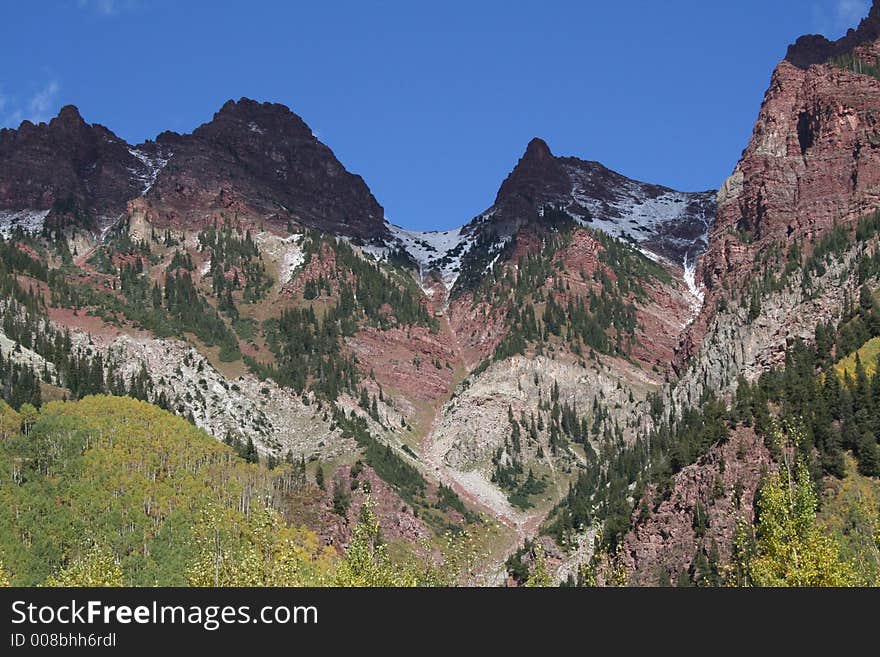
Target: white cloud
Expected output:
[39,106]
[851,12]
[107,7]
[834,17]
[42,101]
[11,120]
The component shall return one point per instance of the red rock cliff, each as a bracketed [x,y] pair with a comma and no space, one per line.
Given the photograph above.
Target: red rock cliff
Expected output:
[813,161]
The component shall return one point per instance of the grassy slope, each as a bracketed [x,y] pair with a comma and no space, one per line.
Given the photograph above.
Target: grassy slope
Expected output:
[120,474]
[867,353]
[849,513]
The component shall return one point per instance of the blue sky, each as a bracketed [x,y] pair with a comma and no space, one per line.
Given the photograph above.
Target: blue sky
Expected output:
[433,103]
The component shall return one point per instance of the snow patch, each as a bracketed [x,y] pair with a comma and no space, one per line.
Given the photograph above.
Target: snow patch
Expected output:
[634,212]
[30,221]
[294,257]
[153,165]
[14,351]
[492,264]
[650,255]
[286,251]
[440,251]
[378,253]
[109,224]
[690,279]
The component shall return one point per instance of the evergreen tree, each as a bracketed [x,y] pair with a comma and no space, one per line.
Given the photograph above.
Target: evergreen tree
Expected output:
[250,452]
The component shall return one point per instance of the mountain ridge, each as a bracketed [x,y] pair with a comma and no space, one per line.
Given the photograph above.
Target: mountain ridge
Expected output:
[595,372]
[263,159]
[280,171]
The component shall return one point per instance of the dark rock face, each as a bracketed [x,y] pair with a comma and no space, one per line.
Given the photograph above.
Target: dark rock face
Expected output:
[669,223]
[538,178]
[264,159]
[816,49]
[253,158]
[68,165]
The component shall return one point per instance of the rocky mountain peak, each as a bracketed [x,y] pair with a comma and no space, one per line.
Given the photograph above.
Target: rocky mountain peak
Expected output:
[252,158]
[811,165]
[538,177]
[250,116]
[67,163]
[537,150]
[261,158]
[69,116]
[816,49]
[669,223]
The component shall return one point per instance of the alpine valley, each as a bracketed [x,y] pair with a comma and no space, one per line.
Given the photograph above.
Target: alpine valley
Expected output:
[222,365]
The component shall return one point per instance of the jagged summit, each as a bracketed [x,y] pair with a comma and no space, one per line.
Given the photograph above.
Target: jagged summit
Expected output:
[663,222]
[68,167]
[669,223]
[69,114]
[810,167]
[816,49]
[537,147]
[538,176]
[262,158]
[251,157]
[249,114]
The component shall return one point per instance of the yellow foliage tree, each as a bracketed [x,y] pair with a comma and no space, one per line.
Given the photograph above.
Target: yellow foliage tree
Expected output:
[851,514]
[29,416]
[539,576]
[10,421]
[98,567]
[367,563]
[4,577]
[787,547]
[261,551]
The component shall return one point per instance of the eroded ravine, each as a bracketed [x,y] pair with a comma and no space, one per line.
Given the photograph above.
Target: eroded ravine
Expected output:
[470,485]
